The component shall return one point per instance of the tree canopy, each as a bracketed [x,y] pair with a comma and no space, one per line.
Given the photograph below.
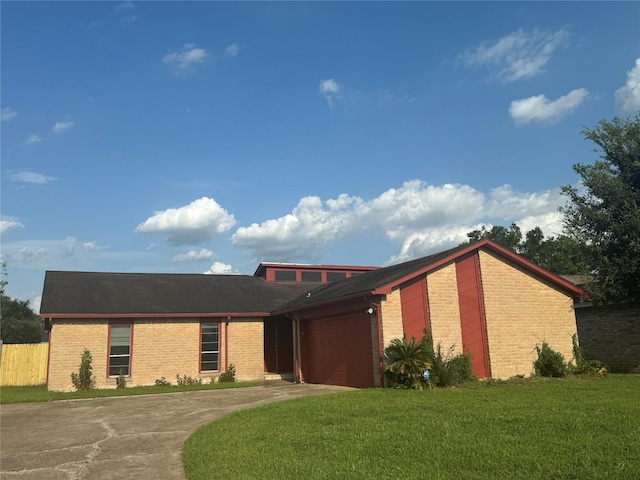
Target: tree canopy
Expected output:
[18,323]
[561,255]
[603,213]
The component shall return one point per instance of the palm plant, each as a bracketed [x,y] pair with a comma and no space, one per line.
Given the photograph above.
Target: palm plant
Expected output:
[406,361]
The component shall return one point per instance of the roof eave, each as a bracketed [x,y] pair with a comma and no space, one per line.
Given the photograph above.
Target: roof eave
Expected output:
[154,315]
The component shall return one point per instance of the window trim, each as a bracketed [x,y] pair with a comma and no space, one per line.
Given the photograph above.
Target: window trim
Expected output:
[120,323]
[200,352]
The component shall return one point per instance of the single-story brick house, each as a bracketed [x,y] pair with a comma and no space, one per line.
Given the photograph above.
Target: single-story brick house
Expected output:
[318,324]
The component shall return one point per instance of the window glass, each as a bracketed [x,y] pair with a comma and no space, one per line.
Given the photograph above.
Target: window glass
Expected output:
[120,350]
[311,276]
[333,276]
[285,276]
[209,347]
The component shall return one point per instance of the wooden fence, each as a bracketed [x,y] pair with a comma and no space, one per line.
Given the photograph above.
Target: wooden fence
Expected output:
[24,364]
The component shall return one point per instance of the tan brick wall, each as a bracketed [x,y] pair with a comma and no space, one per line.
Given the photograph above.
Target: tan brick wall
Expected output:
[166,348]
[444,309]
[67,341]
[160,348]
[522,311]
[391,312]
[246,348]
[391,318]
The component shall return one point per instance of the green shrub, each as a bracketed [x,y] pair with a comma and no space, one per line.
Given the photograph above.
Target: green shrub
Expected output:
[549,362]
[186,380]
[406,361]
[121,382]
[229,376]
[582,365]
[448,370]
[162,382]
[83,380]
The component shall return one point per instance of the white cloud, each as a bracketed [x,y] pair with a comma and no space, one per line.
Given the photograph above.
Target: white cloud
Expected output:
[193,256]
[8,114]
[422,218]
[519,55]
[628,96]
[33,138]
[61,127]
[540,109]
[198,222]
[27,176]
[94,247]
[185,60]
[27,254]
[36,302]
[124,6]
[232,50]
[331,90]
[219,268]
[127,20]
[6,225]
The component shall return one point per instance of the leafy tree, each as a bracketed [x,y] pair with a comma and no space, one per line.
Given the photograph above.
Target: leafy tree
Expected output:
[18,323]
[604,213]
[509,238]
[561,255]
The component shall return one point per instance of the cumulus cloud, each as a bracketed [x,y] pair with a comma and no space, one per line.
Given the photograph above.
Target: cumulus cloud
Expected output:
[232,50]
[421,217]
[6,225]
[184,61]
[331,91]
[193,256]
[219,268]
[33,138]
[628,96]
[8,114]
[540,109]
[61,127]
[27,176]
[124,6]
[27,254]
[198,222]
[517,56]
[124,11]
[94,247]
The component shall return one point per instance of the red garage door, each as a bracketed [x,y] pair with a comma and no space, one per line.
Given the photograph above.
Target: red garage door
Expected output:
[340,351]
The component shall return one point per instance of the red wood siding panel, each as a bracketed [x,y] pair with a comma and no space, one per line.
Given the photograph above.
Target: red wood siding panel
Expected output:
[472,322]
[339,351]
[415,317]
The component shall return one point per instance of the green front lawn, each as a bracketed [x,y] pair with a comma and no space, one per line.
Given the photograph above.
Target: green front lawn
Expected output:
[39,393]
[578,428]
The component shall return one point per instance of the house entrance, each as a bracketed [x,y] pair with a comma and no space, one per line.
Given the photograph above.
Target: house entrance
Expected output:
[278,345]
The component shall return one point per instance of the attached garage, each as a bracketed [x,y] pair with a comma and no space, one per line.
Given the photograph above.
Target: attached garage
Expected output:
[338,351]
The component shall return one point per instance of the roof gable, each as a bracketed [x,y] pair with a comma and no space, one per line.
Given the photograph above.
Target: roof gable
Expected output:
[384,280]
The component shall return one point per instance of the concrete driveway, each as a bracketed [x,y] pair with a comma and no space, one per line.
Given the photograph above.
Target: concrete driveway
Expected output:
[122,437]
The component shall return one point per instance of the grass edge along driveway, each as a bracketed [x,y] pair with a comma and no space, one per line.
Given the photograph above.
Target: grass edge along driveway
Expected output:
[578,428]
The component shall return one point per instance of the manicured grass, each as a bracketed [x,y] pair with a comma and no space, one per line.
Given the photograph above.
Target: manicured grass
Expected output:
[39,393]
[582,429]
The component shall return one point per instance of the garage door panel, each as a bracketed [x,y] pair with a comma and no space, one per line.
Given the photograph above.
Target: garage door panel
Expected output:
[339,351]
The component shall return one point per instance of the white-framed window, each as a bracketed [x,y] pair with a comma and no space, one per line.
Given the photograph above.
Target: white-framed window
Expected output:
[120,335]
[209,346]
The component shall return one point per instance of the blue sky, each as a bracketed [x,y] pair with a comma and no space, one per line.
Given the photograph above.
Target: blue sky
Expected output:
[208,136]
